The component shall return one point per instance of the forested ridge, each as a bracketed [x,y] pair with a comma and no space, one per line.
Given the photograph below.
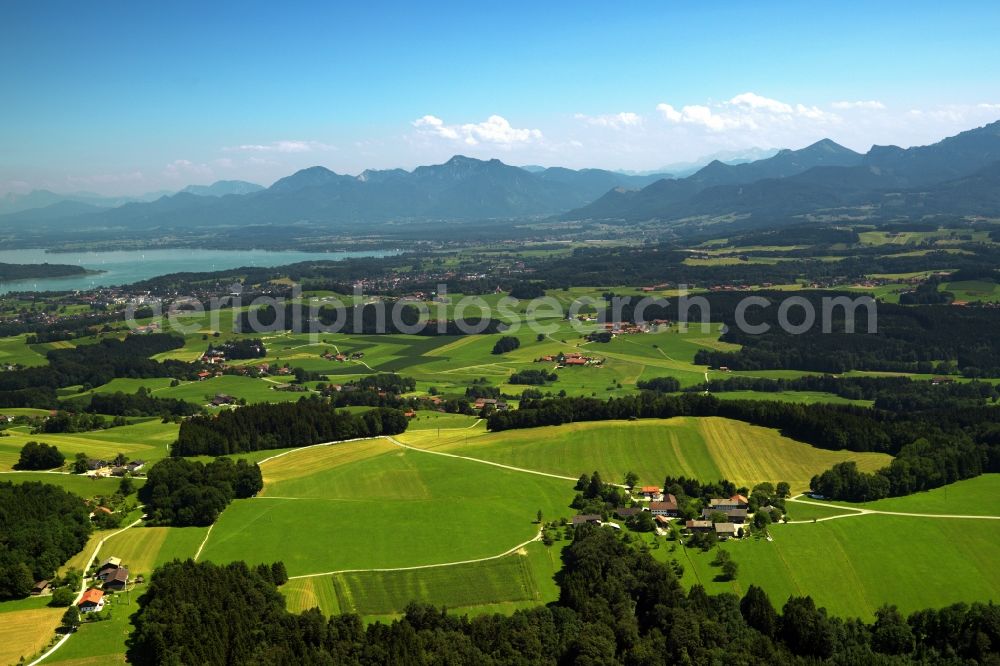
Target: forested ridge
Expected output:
[617,605]
[41,526]
[92,365]
[183,492]
[281,425]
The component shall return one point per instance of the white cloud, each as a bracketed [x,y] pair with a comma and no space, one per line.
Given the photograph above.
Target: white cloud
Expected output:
[747,112]
[495,130]
[183,168]
[612,120]
[698,114]
[754,101]
[871,105]
[284,146]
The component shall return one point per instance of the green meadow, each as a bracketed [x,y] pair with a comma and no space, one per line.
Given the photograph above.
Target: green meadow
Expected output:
[386,507]
[855,564]
[147,440]
[704,448]
[520,580]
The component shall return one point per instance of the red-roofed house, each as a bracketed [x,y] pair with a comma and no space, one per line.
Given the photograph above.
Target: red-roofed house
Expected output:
[652,493]
[92,601]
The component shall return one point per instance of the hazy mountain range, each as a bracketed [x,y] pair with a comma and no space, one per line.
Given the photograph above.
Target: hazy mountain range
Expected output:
[958,175]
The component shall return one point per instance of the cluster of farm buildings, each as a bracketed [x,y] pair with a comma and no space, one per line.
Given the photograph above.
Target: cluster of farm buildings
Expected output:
[664,508]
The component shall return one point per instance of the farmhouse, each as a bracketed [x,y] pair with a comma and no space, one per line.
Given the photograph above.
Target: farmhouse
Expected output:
[627,511]
[738,516]
[116,580]
[734,502]
[651,493]
[222,399]
[586,518]
[491,402]
[92,601]
[698,526]
[668,507]
[108,567]
[726,530]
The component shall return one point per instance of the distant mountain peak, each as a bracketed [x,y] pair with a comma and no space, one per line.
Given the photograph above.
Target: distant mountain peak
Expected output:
[221,188]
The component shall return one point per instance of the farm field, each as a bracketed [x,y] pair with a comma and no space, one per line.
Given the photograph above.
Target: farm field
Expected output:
[15,350]
[797,397]
[853,565]
[706,448]
[389,507]
[519,580]
[84,486]
[26,627]
[972,290]
[144,548]
[147,440]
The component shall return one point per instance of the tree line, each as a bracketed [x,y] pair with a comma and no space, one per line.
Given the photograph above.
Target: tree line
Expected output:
[617,605]
[92,365]
[182,493]
[263,426]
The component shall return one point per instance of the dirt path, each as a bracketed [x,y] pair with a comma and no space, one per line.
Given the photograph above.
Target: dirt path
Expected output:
[511,551]
[866,512]
[481,461]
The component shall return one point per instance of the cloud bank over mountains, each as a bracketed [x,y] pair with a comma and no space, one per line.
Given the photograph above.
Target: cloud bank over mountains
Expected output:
[640,139]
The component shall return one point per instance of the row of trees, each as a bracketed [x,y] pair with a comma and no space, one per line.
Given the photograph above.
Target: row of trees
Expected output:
[263,426]
[183,492]
[41,526]
[617,605]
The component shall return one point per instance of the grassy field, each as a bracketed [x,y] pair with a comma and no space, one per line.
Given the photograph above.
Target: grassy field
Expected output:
[100,643]
[519,580]
[972,290]
[14,350]
[148,440]
[361,506]
[706,448]
[853,565]
[84,486]
[144,548]
[25,631]
[798,397]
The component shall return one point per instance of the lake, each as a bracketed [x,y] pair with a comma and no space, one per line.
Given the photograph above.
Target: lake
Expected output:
[127,266]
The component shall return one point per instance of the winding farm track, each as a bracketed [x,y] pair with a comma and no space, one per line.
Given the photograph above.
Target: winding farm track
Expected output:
[537,537]
[398,443]
[868,512]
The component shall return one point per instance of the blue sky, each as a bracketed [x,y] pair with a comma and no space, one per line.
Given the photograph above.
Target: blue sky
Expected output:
[129,97]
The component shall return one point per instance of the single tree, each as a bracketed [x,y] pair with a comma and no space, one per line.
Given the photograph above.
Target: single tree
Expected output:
[730,569]
[71,619]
